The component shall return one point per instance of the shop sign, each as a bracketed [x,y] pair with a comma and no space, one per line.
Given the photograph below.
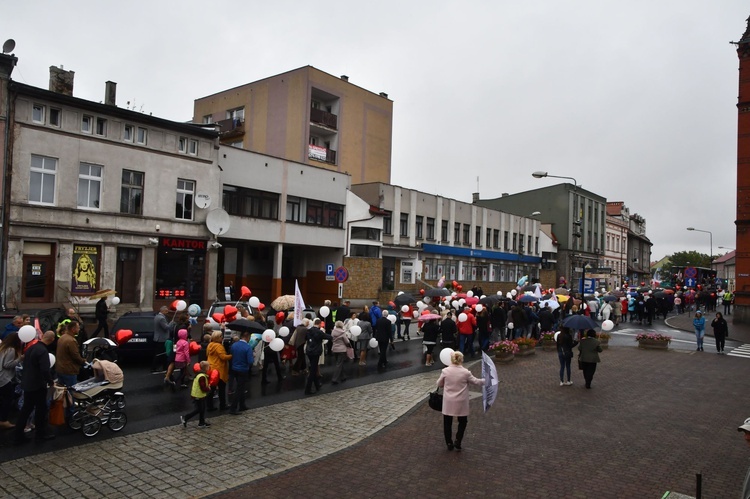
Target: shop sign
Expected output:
[85,265]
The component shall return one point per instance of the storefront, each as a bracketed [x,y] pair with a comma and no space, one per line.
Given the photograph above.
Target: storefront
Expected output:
[180,271]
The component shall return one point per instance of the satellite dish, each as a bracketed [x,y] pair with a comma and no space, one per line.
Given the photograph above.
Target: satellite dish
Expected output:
[8,46]
[202,200]
[217,222]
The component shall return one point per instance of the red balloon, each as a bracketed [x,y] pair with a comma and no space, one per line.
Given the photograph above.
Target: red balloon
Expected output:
[245,292]
[213,377]
[230,310]
[459,287]
[280,316]
[194,347]
[197,367]
[173,305]
[392,304]
[455,283]
[261,307]
[421,292]
[123,336]
[425,312]
[218,317]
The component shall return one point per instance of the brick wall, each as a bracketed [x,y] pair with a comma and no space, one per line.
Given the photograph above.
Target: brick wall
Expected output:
[365,276]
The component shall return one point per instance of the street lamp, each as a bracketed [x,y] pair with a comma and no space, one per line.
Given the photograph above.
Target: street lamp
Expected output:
[727,248]
[710,241]
[545,174]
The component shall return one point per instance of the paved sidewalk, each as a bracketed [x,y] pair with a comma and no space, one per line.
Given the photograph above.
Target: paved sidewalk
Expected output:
[651,421]
[737,332]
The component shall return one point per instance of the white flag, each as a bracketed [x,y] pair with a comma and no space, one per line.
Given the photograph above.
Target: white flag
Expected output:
[489,373]
[299,305]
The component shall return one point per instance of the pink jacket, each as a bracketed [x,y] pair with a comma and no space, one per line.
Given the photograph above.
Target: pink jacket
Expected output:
[182,347]
[455,382]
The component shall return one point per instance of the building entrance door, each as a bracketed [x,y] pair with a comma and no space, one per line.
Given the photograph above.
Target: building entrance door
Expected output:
[128,274]
[38,278]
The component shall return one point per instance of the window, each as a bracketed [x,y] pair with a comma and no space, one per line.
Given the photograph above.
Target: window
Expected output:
[404,225]
[536,246]
[131,193]
[430,229]
[364,250]
[55,116]
[488,243]
[142,135]
[184,203]
[37,113]
[477,236]
[515,241]
[528,243]
[444,231]
[237,115]
[365,233]
[101,127]
[86,123]
[388,223]
[193,147]
[293,209]
[467,234]
[208,118]
[325,214]
[42,180]
[456,233]
[419,223]
[182,144]
[495,238]
[89,186]
[245,202]
[505,240]
[127,133]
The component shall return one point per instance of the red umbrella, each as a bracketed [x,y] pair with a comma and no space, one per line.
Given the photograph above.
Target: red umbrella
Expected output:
[428,317]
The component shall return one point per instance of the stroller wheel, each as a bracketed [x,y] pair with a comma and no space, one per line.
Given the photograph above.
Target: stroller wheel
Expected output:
[91,425]
[76,420]
[117,421]
[119,401]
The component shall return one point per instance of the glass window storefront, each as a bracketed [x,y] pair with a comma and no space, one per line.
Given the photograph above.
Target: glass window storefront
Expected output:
[180,270]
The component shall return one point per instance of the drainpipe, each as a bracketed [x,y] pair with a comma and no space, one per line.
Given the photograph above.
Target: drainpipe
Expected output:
[5,195]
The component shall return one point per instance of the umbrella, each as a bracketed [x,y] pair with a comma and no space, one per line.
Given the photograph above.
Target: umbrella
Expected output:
[471,300]
[437,292]
[550,304]
[99,342]
[609,298]
[404,299]
[530,287]
[283,302]
[669,291]
[589,297]
[562,291]
[246,325]
[618,293]
[428,317]
[528,299]
[578,321]
[563,298]
[489,300]
[547,296]
[644,289]
[660,294]
[103,293]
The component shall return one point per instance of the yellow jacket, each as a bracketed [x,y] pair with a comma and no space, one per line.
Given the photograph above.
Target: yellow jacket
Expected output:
[219,359]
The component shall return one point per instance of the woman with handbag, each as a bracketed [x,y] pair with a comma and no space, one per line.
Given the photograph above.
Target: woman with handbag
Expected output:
[565,344]
[455,380]
[340,344]
[588,356]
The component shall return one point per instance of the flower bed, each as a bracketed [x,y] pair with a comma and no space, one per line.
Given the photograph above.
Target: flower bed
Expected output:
[525,346]
[504,350]
[653,341]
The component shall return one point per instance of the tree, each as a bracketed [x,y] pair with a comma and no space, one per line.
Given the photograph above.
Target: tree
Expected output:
[689,259]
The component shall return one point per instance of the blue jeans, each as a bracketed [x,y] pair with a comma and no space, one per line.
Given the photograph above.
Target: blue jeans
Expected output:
[564,364]
[699,333]
[464,340]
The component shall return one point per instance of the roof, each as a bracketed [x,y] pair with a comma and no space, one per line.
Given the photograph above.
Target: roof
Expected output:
[726,257]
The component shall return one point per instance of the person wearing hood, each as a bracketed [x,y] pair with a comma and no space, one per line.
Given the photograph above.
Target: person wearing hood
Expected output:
[699,323]
[181,356]
[340,343]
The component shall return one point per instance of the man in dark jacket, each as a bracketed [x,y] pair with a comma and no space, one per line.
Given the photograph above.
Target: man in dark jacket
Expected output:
[497,318]
[383,335]
[448,332]
[344,312]
[34,382]
[101,317]
[546,319]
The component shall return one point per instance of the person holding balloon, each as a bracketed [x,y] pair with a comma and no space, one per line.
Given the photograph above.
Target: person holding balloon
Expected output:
[218,360]
[199,393]
[455,380]
[315,337]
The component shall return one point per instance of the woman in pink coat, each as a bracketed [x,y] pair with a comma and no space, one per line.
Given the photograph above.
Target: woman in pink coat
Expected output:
[455,381]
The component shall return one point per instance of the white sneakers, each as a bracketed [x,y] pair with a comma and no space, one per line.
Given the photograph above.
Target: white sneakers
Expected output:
[562,384]
[566,383]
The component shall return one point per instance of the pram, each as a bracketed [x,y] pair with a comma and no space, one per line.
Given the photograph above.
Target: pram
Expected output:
[98,401]
[99,348]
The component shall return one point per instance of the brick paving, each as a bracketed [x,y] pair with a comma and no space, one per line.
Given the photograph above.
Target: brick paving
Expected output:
[651,421]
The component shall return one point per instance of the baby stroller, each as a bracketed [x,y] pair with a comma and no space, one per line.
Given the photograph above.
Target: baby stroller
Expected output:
[98,400]
[99,348]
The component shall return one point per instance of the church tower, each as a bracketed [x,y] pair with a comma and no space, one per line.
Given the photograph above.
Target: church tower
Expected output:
[742,269]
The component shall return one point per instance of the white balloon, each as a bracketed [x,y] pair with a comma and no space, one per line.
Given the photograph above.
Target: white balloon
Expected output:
[499,293]
[392,318]
[283,331]
[607,325]
[324,311]
[455,304]
[181,305]
[421,305]
[454,293]
[483,296]
[462,302]
[269,335]
[399,293]
[508,295]
[462,317]
[52,360]
[194,310]
[426,299]
[277,344]
[513,292]
[26,333]
[556,335]
[373,343]
[470,293]
[511,325]
[405,308]
[356,331]
[479,307]
[116,300]
[445,356]
[415,313]
[253,302]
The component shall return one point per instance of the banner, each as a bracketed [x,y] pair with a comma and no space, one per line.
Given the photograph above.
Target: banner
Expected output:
[489,373]
[299,305]
[85,263]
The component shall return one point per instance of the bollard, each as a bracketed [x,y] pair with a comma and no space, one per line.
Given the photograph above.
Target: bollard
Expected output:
[698,485]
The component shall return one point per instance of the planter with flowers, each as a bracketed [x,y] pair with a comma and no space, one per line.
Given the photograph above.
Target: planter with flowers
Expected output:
[504,350]
[604,340]
[654,341]
[548,341]
[525,346]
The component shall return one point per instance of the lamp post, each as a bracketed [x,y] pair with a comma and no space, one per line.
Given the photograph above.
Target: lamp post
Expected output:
[710,242]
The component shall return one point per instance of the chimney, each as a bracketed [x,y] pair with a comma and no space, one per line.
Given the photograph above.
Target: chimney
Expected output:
[474,197]
[110,93]
[344,77]
[61,81]
[384,95]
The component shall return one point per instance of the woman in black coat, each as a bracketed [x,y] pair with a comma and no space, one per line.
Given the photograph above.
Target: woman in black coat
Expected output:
[430,332]
[565,344]
[721,331]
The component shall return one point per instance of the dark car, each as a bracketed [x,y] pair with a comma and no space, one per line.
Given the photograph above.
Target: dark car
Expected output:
[141,346]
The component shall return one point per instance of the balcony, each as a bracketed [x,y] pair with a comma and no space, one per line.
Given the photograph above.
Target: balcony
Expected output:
[231,128]
[321,154]
[324,118]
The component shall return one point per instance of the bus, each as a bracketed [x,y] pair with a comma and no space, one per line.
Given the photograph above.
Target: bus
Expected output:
[704,277]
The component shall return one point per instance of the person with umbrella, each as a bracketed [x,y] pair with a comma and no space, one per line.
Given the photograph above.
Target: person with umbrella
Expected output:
[498,317]
[589,349]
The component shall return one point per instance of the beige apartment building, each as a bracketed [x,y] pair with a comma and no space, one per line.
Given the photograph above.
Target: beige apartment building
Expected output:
[307,116]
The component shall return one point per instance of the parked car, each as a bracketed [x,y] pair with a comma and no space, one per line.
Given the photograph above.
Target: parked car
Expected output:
[217,307]
[141,346]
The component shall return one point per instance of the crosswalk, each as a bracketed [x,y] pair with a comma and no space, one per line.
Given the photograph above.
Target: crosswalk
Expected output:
[741,351]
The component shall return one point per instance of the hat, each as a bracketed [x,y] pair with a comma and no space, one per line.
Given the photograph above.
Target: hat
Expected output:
[699,313]
[745,426]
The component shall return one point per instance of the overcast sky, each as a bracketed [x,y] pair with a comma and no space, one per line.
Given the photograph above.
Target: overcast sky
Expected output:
[636,100]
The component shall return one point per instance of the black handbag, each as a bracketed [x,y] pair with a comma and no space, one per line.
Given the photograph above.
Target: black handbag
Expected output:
[435,400]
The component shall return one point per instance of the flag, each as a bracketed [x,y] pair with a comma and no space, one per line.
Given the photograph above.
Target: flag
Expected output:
[489,373]
[299,305]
